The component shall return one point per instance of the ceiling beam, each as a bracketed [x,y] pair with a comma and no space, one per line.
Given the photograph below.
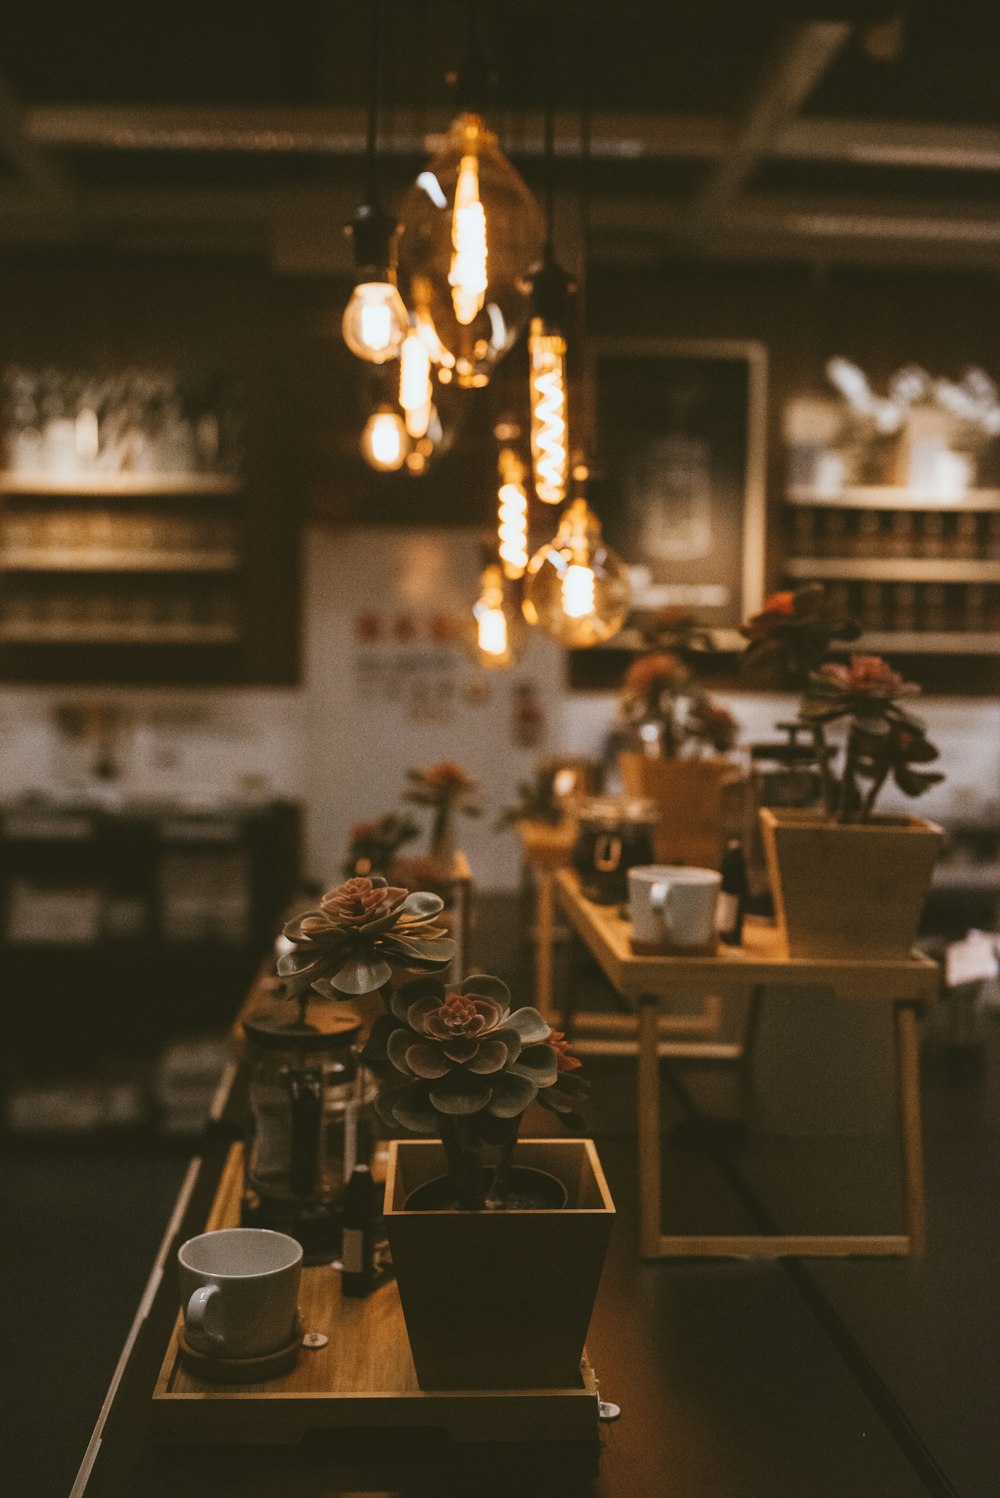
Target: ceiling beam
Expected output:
[799,59]
[28,158]
[632,135]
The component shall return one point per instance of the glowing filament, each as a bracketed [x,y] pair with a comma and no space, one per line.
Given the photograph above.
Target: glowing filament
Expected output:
[492,632]
[548,414]
[376,326]
[467,276]
[383,442]
[415,389]
[578,596]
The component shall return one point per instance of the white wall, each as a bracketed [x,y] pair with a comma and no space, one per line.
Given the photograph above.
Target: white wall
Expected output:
[346,759]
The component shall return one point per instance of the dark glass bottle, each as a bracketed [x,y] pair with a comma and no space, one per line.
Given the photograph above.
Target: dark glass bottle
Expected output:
[733,893]
[357,1252]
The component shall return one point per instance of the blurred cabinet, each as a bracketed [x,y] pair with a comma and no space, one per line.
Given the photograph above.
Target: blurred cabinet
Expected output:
[124,932]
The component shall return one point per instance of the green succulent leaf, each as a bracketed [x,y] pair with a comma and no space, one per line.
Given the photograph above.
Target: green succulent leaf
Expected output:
[361,974]
[409,993]
[461,1093]
[440,949]
[422,904]
[530,1025]
[488,987]
[491,1055]
[396,1048]
[376,1046]
[413,1110]
[427,1060]
[511,1095]
[511,1040]
[293,929]
[539,1063]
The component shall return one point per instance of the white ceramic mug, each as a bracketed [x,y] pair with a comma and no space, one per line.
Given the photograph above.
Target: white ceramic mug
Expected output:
[673,906]
[240,1291]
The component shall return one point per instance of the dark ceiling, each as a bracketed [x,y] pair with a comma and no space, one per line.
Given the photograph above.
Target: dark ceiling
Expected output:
[720,130]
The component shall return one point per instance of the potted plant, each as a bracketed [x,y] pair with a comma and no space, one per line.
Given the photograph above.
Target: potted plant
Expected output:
[374,844]
[846,882]
[448,791]
[482,1227]
[677,738]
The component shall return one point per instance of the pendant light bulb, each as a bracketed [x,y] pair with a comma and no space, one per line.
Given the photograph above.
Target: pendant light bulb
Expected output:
[374,323]
[416,392]
[577,588]
[498,630]
[471,228]
[384,442]
[550,290]
[512,514]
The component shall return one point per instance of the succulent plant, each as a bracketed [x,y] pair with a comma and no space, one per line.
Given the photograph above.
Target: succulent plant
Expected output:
[661,689]
[472,1065]
[362,929]
[790,636]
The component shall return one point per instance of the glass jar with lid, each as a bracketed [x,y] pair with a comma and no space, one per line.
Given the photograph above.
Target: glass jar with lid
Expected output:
[307,1129]
[615,834]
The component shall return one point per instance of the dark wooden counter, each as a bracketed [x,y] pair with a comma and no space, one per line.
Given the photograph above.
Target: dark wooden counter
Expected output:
[737,1379]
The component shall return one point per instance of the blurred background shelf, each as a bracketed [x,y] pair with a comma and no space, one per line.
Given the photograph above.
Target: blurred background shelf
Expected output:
[114,634]
[896,569]
[893,497]
[111,485]
[72,560]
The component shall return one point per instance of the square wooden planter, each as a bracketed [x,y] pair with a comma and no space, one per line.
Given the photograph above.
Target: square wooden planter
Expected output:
[701,802]
[848,891]
[499,1300]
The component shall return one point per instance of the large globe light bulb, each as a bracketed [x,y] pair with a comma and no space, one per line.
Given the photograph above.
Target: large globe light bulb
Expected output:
[470,228]
[577,588]
[384,442]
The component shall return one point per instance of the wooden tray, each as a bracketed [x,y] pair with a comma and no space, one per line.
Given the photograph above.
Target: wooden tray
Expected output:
[363,1377]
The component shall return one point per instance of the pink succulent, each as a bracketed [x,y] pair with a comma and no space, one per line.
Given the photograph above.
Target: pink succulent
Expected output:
[358,901]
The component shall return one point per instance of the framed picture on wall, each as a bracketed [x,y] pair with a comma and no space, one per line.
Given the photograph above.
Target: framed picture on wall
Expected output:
[680,482]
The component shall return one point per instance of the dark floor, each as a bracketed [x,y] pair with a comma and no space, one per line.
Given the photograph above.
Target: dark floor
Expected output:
[863,1379]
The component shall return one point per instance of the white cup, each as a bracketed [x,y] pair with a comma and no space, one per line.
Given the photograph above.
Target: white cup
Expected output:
[240,1291]
[672,906]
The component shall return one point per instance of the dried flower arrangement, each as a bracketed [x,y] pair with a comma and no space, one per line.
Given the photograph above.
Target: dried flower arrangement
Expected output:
[789,639]
[471,1066]
[448,791]
[373,845]
[672,714]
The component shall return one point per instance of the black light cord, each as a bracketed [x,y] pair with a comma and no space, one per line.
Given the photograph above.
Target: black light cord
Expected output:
[549,148]
[374,77]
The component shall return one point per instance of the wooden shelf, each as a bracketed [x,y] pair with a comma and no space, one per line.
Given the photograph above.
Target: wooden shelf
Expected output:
[896,569]
[119,634]
[931,642]
[893,497]
[111,485]
[78,560]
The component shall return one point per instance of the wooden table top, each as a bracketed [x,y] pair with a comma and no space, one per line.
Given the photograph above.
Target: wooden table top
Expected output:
[760,960]
[546,845]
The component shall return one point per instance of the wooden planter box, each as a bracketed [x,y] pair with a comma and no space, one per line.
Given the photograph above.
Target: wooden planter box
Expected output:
[701,803]
[499,1300]
[848,891]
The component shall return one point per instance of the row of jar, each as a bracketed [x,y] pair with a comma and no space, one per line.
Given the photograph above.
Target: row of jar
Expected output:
[89,530]
[127,606]
[817,532]
[931,607]
[66,422]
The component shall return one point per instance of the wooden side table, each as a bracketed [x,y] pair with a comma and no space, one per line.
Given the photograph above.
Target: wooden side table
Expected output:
[545,848]
[645,981]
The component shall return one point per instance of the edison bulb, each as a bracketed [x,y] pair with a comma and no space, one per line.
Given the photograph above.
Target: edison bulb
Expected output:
[384,441]
[374,323]
[416,392]
[577,588]
[471,228]
[549,445]
[512,514]
[499,635]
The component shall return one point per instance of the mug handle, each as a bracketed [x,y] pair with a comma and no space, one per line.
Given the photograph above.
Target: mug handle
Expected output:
[659,903]
[196,1315]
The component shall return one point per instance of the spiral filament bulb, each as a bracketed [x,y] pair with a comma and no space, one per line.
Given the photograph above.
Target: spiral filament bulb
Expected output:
[415,389]
[578,592]
[512,515]
[549,449]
